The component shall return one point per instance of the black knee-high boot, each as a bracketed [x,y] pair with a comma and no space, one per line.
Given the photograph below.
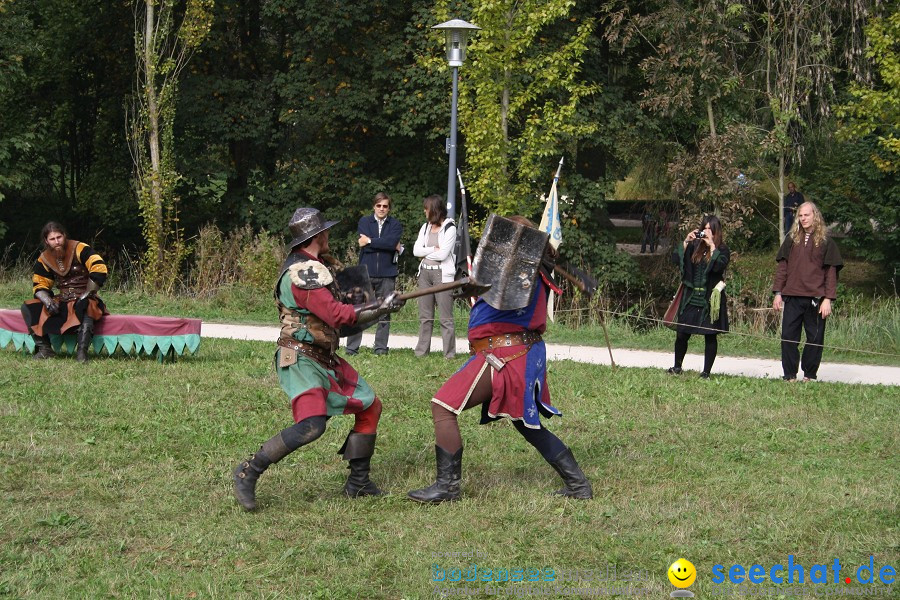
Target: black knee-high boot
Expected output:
[42,347]
[273,450]
[85,335]
[577,485]
[446,487]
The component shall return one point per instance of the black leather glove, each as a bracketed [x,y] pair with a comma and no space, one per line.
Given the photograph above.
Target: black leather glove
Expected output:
[49,303]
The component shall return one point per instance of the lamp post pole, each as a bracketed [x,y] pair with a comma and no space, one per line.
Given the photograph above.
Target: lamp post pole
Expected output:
[456,31]
[451,172]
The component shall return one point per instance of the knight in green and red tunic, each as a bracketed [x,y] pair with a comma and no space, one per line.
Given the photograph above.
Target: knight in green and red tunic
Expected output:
[319,383]
[77,271]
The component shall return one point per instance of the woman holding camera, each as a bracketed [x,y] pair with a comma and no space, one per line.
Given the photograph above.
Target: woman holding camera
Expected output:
[702,257]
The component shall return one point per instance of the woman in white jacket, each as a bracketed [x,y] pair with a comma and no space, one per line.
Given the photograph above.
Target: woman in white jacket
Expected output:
[435,247]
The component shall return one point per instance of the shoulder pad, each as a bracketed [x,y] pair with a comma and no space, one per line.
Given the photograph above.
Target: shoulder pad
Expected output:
[310,275]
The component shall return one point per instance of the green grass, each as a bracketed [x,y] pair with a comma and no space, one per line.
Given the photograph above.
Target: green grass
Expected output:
[116,483]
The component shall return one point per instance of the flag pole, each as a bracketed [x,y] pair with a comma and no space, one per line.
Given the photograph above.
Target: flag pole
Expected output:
[602,318]
[559,169]
[463,210]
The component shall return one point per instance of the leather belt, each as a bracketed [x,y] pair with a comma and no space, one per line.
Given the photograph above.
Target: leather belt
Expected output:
[70,293]
[320,355]
[526,338]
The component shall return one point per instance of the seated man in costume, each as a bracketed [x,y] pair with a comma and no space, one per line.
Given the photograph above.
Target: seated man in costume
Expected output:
[319,383]
[78,271]
[507,373]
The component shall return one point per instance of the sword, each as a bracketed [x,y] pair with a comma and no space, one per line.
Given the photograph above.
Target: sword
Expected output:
[466,286]
[578,278]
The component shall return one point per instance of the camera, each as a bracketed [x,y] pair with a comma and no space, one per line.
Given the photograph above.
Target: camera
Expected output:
[700,234]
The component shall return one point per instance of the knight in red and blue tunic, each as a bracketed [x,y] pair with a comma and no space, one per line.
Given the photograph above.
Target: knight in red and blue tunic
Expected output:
[507,376]
[519,390]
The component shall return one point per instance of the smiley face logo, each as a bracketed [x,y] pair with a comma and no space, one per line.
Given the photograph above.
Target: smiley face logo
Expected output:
[682,573]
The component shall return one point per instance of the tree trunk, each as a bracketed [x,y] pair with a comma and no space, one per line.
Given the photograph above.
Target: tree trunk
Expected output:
[153,122]
[712,118]
[780,195]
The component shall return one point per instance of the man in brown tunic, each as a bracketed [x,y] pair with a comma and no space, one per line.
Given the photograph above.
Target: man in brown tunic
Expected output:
[78,271]
[805,285]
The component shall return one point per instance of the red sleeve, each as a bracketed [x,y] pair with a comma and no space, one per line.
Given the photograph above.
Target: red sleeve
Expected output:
[831,282]
[321,303]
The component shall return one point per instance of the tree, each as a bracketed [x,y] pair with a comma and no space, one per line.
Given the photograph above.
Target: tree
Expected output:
[62,153]
[694,78]
[798,59]
[861,197]
[162,50]
[519,97]
[875,110]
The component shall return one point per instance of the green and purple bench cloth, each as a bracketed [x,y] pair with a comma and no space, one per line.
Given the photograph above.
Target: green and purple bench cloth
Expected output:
[132,333]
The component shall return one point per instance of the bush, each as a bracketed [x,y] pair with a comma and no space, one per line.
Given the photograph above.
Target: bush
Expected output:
[240,257]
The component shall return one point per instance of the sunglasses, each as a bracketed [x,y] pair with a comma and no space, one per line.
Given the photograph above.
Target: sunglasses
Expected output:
[382,206]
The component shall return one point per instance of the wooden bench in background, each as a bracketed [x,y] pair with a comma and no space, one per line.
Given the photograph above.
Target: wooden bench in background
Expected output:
[163,336]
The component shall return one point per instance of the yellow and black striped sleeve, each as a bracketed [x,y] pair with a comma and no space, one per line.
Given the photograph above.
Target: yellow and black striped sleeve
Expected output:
[42,278]
[93,262]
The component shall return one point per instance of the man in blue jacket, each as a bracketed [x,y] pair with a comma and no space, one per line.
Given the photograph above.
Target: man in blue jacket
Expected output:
[379,249]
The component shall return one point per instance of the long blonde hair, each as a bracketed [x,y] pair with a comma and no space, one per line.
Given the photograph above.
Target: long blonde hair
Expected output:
[818,228]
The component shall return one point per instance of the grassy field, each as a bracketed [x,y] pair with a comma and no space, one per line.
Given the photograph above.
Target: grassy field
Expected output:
[115,484]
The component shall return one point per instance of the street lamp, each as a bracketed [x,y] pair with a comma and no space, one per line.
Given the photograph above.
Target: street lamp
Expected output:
[457,31]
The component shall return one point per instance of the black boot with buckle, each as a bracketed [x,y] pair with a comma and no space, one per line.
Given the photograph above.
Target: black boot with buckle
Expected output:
[446,487]
[577,485]
[248,471]
[358,449]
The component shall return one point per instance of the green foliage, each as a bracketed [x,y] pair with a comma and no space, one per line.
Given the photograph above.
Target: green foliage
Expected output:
[861,198]
[287,102]
[16,141]
[61,84]
[239,257]
[520,93]
[875,110]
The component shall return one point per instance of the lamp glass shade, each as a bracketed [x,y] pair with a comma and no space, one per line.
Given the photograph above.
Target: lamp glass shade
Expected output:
[457,32]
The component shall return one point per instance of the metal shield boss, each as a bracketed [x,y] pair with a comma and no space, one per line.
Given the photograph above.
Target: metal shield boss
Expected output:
[508,258]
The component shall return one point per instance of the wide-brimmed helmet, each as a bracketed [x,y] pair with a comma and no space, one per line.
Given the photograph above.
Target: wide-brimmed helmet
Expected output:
[306,223]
